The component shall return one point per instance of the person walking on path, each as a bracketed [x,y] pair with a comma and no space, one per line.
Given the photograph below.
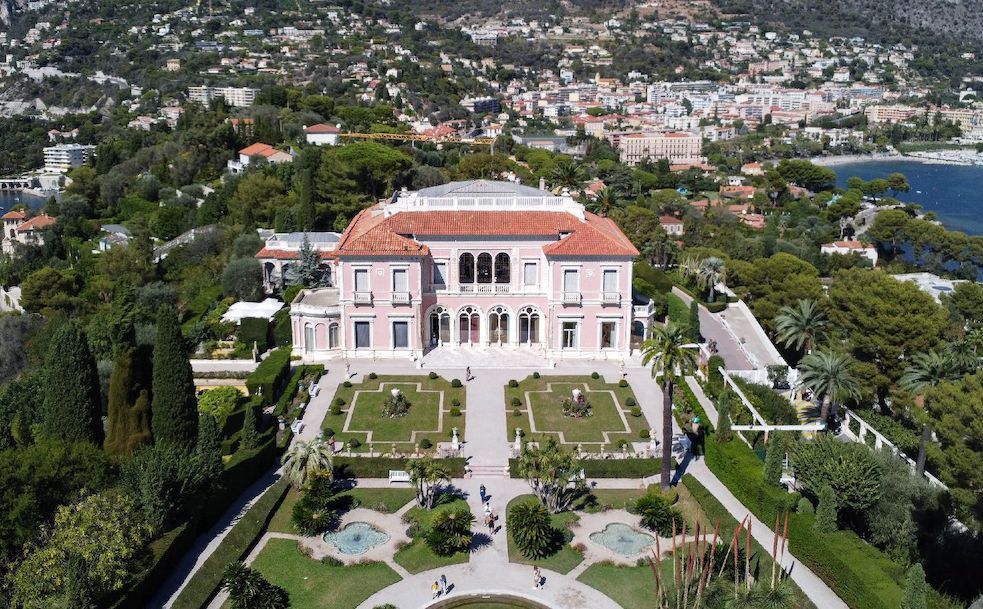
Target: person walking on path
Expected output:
[487,508]
[490,523]
[435,588]
[443,584]
[493,519]
[348,369]
[481,492]
[467,373]
[537,578]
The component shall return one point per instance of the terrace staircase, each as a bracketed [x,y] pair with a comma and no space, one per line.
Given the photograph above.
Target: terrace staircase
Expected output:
[488,470]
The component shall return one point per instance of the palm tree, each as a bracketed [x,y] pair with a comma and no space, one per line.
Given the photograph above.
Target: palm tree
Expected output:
[927,370]
[802,326]
[426,475]
[606,200]
[567,174]
[669,354]
[828,375]
[711,272]
[306,459]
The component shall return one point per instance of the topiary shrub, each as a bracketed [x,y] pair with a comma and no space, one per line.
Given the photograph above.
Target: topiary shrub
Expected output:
[532,530]
[346,384]
[595,375]
[513,383]
[805,507]
[622,383]
[456,403]
[455,411]
[426,444]
[636,412]
[339,401]
[631,403]
[516,402]
[327,432]
[826,512]
[535,375]
[354,443]
[373,375]
[455,383]
[433,376]
[335,409]
[516,412]
[644,434]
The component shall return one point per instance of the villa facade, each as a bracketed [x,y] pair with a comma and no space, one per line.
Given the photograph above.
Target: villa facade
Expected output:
[474,263]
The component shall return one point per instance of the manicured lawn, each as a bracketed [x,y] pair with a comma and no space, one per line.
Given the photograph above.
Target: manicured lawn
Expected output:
[630,587]
[561,562]
[425,414]
[417,556]
[544,397]
[313,585]
[385,500]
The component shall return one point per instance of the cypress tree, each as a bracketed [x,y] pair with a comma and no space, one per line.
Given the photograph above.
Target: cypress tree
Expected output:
[174,405]
[915,589]
[724,432]
[826,512]
[208,451]
[129,408]
[248,437]
[694,321]
[72,409]
[773,460]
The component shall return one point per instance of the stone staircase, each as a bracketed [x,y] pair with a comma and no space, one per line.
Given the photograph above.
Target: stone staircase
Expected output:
[488,470]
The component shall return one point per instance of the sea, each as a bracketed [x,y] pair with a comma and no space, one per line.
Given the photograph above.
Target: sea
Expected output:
[9,198]
[953,192]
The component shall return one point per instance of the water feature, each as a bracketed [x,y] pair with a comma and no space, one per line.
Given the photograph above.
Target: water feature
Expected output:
[622,539]
[487,601]
[356,538]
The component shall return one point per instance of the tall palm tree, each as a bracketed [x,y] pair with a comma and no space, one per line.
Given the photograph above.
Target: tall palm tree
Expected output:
[305,459]
[567,174]
[711,272]
[606,200]
[426,474]
[669,354]
[802,326]
[927,370]
[829,376]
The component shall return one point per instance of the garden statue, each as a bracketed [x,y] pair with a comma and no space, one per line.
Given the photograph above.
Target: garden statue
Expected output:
[455,443]
[518,439]
[395,392]
[652,442]
[580,450]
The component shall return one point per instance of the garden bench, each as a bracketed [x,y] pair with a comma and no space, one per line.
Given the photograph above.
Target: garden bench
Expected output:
[398,475]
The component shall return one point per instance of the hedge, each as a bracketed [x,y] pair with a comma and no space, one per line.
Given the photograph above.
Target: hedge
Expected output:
[282,331]
[238,542]
[654,277]
[255,330]
[167,550]
[270,375]
[378,467]
[610,468]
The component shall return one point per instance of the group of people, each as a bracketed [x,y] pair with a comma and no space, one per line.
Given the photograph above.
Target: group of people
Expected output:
[490,517]
[439,586]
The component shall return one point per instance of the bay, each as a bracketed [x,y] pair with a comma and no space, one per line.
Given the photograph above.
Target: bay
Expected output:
[953,192]
[9,198]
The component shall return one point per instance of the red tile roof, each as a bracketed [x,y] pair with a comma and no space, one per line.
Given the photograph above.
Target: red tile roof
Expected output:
[322,128]
[14,215]
[36,223]
[669,220]
[279,254]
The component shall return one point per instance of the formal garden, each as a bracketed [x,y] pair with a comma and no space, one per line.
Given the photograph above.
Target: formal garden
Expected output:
[405,414]
[583,411]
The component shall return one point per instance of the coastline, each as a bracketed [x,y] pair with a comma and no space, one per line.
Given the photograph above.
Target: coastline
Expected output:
[915,157]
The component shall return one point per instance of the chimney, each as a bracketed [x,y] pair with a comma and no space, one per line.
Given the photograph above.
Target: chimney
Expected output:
[542,183]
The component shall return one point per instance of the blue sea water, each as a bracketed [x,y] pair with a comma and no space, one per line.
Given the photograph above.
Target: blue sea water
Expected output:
[953,192]
[9,198]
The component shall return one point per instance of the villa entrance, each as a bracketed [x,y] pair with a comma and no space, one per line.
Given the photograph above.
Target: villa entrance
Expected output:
[469,326]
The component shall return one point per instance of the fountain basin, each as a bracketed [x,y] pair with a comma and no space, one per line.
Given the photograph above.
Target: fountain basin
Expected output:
[356,538]
[623,539]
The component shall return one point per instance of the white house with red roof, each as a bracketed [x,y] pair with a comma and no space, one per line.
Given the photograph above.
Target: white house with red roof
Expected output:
[672,225]
[852,246]
[474,264]
[272,155]
[322,134]
[19,228]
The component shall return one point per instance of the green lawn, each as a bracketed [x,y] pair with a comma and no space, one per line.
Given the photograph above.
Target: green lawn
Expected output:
[561,562]
[313,585]
[608,401]
[630,587]
[385,500]
[424,417]
[417,556]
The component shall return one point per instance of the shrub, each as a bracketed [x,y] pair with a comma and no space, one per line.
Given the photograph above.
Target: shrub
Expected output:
[644,434]
[433,376]
[378,467]
[269,376]
[535,375]
[346,384]
[657,514]
[426,444]
[327,432]
[622,383]
[282,333]
[531,527]
[456,383]
[595,375]
[335,409]
[631,403]
[513,383]
[516,402]
[826,513]
[386,606]
[339,401]
[450,532]
[455,411]
[636,411]
[395,406]
[805,507]
[254,330]
[331,561]
[456,403]
[373,375]
[516,412]
[354,443]
[219,402]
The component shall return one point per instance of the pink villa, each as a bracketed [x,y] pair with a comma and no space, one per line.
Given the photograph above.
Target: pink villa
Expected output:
[474,264]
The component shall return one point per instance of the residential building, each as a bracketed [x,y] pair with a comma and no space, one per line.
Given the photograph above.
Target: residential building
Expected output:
[240,97]
[322,134]
[475,263]
[18,228]
[63,158]
[867,251]
[678,147]
[890,114]
[672,225]
[272,155]
[282,251]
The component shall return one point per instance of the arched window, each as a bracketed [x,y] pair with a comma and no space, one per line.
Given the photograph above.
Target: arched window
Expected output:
[498,325]
[503,270]
[469,326]
[440,326]
[484,268]
[528,326]
[466,268]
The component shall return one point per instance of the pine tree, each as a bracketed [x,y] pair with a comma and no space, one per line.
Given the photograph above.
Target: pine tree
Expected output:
[129,408]
[72,409]
[309,272]
[826,512]
[174,406]
[915,589]
[773,459]
[694,321]
[249,436]
[208,450]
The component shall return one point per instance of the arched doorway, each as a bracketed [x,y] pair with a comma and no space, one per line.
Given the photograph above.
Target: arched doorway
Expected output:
[498,326]
[440,326]
[469,326]
[529,323]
